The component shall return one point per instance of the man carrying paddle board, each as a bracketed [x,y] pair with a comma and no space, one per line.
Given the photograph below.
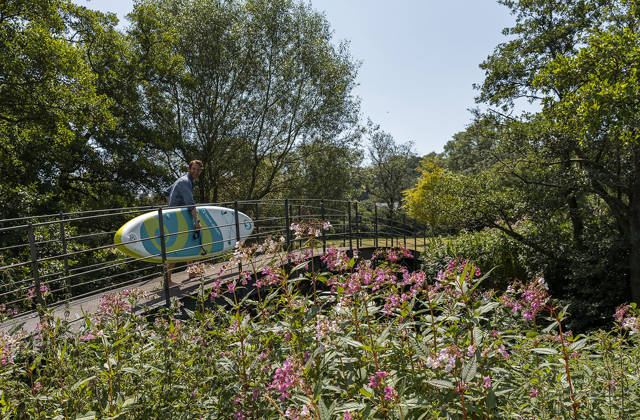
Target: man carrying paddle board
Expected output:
[181,194]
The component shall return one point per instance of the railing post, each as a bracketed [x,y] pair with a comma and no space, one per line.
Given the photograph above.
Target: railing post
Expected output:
[357,226]
[255,222]
[344,231]
[299,221]
[63,238]
[287,223]
[404,229]
[350,239]
[375,225]
[237,220]
[391,225]
[163,252]
[323,215]
[34,267]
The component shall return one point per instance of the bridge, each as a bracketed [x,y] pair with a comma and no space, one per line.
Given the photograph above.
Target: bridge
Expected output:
[65,262]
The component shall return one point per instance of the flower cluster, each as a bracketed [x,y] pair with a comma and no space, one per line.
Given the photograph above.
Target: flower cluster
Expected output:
[9,346]
[324,326]
[287,378]
[444,358]
[116,304]
[335,259]
[376,380]
[7,312]
[626,316]
[292,413]
[244,253]
[455,268]
[393,255]
[196,269]
[529,299]
[44,291]
[310,229]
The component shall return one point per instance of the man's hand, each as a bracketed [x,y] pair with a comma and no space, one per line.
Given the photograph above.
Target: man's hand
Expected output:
[196,222]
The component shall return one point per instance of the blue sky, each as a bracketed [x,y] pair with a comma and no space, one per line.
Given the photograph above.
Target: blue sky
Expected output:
[419,59]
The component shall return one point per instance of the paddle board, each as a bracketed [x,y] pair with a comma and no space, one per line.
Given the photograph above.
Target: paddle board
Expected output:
[139,237]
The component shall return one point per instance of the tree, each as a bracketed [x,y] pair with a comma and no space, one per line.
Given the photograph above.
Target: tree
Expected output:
[240,85]
[393,167]
[568,170]
[600,111]
[324,170]
[49,109]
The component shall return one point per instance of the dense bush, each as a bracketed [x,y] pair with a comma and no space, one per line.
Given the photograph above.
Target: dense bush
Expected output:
[575,277]
[489,249]
[361,339]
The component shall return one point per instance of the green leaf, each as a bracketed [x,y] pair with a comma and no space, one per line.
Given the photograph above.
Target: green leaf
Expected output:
[365,392]
[132,370]
[577,345]
[82,382]
[381,339]
[441,383]
[351,342]
[544,350]
[492,401]
[350,406]
[324,411]
[420,349]
[89,415]
[469,369]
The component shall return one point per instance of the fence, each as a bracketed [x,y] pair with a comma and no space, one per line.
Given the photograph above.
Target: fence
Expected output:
[69,256]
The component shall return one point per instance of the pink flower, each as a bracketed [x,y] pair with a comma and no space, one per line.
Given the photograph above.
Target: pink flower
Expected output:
[374,379]
[389,392]
[286,378]
[533,393]
[87,337]
[347,416]
[487,381]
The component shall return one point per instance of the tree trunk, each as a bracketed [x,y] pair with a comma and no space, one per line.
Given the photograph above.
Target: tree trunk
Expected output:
[576,222]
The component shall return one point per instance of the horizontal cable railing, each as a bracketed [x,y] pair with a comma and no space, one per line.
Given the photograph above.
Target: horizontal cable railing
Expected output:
[57,258]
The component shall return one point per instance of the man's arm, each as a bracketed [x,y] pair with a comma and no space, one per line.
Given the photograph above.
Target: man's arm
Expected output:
[188,200]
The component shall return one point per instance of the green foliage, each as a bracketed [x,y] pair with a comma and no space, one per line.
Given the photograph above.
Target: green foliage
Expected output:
[393,167]
[324,170]
[570,171]
[489,249]
[49,107]
[239,85]
[368,339]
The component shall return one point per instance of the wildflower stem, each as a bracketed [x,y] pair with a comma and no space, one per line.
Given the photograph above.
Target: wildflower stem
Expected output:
[574,404]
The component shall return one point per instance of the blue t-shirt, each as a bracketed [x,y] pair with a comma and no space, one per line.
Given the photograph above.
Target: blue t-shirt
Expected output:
[181,192]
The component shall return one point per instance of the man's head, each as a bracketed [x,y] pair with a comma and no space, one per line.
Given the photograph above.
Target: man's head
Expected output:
[195,168]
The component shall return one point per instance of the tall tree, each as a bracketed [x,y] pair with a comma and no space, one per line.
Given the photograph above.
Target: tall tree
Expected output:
[324,170]
[240,84]
[393,166]
[49,109]
[568,170]
[600,111]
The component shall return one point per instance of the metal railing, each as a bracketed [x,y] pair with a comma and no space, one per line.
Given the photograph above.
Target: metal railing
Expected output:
[69,256]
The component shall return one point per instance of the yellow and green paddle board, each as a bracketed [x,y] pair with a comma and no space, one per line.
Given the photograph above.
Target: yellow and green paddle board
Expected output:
[140,237]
